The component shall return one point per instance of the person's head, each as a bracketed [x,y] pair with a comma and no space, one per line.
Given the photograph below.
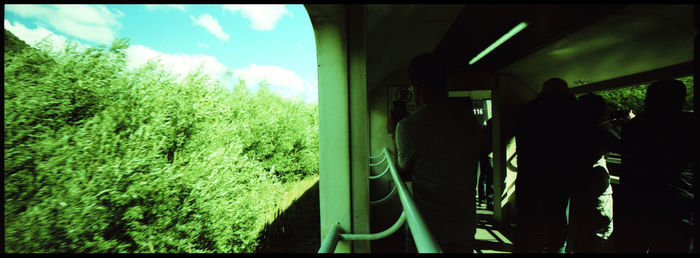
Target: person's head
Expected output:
[428,78]
[592,108]
[554,86]
[665,96]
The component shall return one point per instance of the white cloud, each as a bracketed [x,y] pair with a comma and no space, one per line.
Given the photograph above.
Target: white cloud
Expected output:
[138,55]
[180,64]
[34,36]
[211,24]
[152,7]
[202,45]
[282,81]
[262,17]
[94,23]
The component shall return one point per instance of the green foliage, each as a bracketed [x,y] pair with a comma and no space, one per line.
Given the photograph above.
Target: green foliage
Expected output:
[276,139]
[13,44]
[633,97]
[100,158]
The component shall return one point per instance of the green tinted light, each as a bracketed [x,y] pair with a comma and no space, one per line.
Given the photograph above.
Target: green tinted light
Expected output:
[500,41]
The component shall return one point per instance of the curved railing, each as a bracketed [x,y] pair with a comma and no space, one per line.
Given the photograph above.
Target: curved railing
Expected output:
[425,243]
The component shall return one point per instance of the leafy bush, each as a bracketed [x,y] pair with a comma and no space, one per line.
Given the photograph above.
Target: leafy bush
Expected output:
[633,97]
[100,158]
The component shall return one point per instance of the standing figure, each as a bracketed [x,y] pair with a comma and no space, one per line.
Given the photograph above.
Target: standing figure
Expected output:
[438,149]
[591,206]
[659,147]
[486,165]
[544,139]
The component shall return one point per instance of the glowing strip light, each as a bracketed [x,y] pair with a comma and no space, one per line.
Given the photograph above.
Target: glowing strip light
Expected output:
[500,41]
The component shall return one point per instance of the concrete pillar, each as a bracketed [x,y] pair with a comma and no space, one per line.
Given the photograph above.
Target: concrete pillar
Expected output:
[359,123]
[343,121]
[499,145]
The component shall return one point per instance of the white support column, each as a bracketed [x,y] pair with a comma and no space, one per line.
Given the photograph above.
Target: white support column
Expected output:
[359,123]
[334,129]
[499,147]
[343,121]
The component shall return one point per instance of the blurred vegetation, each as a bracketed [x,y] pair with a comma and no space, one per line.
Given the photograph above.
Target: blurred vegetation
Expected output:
[101,158]
[632,97]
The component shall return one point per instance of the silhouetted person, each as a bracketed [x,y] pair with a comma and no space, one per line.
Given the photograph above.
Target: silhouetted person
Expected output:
[658,149]
[544,142]
[484,181]
[437,148]
[486,165]
[591,205]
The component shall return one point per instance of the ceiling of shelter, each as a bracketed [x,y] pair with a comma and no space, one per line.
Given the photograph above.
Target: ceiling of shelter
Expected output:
[574,42]
[397,33]
[479,25]
[635,39]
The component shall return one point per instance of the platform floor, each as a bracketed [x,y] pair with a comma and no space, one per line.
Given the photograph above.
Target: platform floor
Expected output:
[491,237]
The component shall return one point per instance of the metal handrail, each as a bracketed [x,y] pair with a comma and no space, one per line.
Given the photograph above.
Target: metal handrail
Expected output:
[378,163]
[381,174]
[380,235]
[380,154]
[424,240]
[331,240]
[425,243]
[391,194]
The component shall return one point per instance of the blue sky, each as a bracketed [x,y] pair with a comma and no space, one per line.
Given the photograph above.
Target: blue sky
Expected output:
[255,42]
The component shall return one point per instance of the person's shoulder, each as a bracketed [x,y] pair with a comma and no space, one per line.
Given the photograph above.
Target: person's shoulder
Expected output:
[409,120]
[533,102]
[419,114]
[533,105]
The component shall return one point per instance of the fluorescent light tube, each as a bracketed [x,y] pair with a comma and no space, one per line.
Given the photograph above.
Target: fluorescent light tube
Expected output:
[500,41]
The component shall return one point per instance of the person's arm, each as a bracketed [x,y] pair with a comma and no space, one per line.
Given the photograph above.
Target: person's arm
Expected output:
[610,141]
[404,152]
[395,115]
